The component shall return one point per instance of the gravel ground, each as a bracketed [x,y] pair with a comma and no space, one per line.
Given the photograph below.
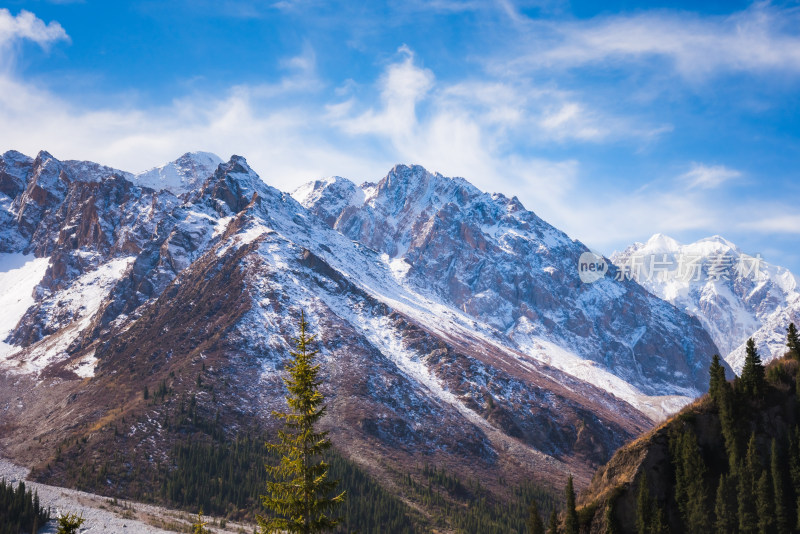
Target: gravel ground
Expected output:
[104,516]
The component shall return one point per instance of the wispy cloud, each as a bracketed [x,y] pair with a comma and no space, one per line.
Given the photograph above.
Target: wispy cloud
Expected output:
[760,38]
[27,26]
[708,176]
[789,223]
[402,86]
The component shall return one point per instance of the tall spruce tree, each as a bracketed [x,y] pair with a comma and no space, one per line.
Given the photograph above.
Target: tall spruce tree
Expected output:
[727,416]
[697,514]
[716,375]
[644,506]
[749,473]
[570,513]
[301,492]
[779,483]
[794,470]
[691,493]
[552,525]
[725,506]
[793,341]
[650,517]
[659,524]
[764,503]
[534,521]
[751,381]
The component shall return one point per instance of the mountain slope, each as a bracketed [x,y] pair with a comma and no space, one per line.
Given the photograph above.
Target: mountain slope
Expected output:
[501,265]
[196,296]
[734,295]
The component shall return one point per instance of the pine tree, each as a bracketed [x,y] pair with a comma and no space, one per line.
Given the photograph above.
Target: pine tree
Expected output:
[534,522]
[794,469]
[570,514]
[749,475]
[748,518]
[691,493]
[650,518]
[724,508]
[697,513]
[716,375]
[728,422]
[778,475]
[301,493]
[659,524]
[764,503]
[644,507]
[199,526]
[751,381]
[70,523]
[552,525]
[793,341]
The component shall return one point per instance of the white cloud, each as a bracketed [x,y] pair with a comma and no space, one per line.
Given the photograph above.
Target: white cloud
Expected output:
[760,38]
[281,143]
[26,26]
[570,120]
[708,176]
[781,224]
[468,129]
[402,86]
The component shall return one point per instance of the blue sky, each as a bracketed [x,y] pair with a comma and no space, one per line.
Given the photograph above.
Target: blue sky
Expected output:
[611,120]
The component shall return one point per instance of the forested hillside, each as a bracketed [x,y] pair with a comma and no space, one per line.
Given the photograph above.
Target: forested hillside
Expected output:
[20,510]
[728,463]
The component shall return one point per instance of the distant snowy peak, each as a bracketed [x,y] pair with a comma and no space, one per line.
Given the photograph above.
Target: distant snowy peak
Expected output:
[665,261]
[734,295]
[187,173]
[664,244]
[330,197]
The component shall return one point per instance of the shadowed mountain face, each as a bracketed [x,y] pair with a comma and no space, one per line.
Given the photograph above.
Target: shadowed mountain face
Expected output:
[453,326]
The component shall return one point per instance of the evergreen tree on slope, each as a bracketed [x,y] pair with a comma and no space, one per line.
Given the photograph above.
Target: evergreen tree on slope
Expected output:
[301,491]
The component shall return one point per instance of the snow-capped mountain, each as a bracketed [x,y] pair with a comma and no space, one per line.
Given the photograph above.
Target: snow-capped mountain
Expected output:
[453,323]
[735,295]
[187,173]
[499,264]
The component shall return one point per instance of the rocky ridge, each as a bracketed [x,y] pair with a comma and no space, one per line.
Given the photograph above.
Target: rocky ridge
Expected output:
[452,323]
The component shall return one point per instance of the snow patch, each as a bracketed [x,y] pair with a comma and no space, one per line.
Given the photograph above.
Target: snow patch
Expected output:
[19,275]
[81,301]
[84,367]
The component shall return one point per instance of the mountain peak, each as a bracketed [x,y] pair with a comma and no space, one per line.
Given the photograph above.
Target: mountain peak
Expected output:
[184,174]
[44,155]
[13,155]
[238,164]
[662,243]
[717,240]
[328,197]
